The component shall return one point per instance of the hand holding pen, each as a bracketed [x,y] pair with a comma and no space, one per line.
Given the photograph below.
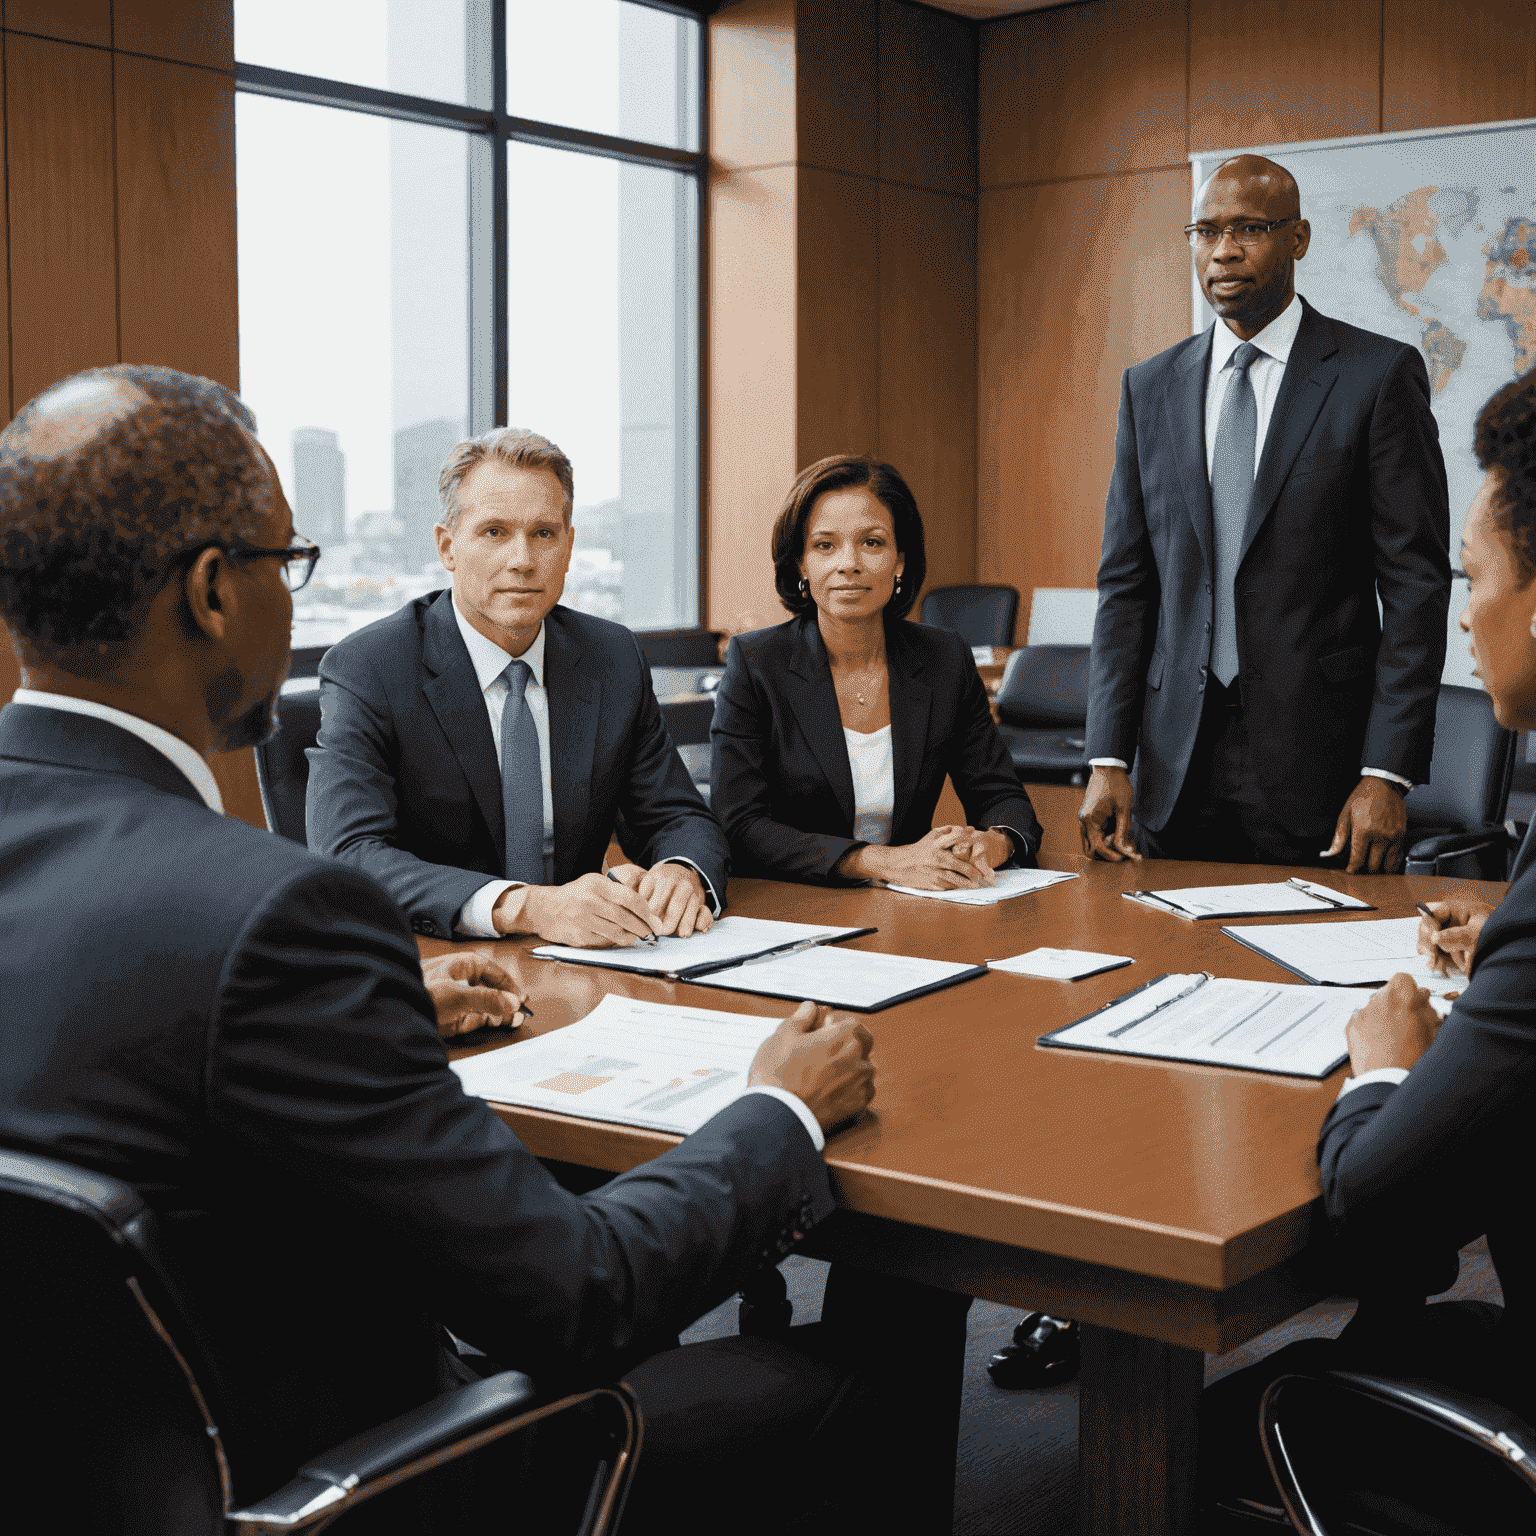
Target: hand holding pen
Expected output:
[1449,931]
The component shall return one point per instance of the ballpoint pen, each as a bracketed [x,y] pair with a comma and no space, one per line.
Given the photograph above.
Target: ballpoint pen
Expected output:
[1167,1002]
[1316,893]
[649,938]
[1438,922]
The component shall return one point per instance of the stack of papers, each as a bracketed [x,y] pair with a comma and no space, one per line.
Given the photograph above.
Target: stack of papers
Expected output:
[1281,896]
[729,942]
[843,978]
[1355,954]
[1009,883]
[1060,964]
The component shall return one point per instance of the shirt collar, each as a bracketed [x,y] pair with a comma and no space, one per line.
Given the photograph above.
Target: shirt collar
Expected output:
[1275,340]
[490,660]
[179,752]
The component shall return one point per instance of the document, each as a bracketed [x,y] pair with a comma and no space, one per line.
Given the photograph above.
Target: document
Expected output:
[1292,1031]
[843,978]
[1059,964]
[1354,954]
[1010,883]
[729,942]
[1282,896]
[631,1062]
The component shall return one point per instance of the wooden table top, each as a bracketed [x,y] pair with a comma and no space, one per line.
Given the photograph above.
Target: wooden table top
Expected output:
[1198,1175]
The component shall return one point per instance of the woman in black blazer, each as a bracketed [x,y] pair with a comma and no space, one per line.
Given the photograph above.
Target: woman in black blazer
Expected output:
[833,733]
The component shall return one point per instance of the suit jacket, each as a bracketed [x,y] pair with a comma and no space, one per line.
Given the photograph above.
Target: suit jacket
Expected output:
[1349,501]
[238,1028]
[1413,1172]
[780,780]
[404,782]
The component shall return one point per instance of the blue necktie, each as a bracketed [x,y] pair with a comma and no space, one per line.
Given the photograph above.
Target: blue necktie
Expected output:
[1231,495]
[522,784]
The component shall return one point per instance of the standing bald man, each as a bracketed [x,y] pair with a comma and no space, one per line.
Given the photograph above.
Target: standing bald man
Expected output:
[1274,477]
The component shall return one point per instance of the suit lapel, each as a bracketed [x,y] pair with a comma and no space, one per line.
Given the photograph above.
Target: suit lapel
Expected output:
[575,703]
[814,701]
[453,691]
[1184,413]
[1310,373]
[911,702]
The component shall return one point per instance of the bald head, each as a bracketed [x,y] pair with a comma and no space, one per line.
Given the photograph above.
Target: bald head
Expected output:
[1262,183]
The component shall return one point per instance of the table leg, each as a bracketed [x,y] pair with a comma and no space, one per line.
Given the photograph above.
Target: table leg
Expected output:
[1137,1408]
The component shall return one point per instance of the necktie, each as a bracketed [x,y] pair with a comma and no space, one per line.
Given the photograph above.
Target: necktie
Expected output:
[522,785]
[1231,493]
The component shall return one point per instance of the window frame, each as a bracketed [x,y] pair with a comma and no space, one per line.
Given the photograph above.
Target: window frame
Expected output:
[492,129]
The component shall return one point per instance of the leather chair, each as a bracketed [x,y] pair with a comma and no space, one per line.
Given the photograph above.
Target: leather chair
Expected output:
[1042,707]
[983,615]
[1455,822]
[118,1403]
[282,769]
[1361,1455]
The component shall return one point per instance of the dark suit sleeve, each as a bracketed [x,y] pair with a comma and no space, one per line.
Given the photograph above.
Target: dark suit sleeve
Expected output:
[325,1070]
[1410,525]
[350,806]
[1125,626]
[741,751]
[662,809]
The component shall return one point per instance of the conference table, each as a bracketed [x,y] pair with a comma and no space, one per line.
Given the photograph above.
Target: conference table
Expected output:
[1173,1209]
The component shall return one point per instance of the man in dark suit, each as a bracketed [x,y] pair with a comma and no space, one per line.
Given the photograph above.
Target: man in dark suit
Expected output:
[477,748]
[238,1027]
[1274,476]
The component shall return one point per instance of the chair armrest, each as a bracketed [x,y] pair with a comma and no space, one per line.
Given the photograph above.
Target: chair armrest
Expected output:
[1431,848]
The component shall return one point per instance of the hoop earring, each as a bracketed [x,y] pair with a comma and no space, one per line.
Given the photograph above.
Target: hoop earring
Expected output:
[805,587]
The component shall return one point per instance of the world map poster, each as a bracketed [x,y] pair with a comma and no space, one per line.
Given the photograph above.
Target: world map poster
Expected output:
[1429,238]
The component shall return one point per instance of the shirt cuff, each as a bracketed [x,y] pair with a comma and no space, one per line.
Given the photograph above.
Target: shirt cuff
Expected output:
[1106,762]
[800,1107]
[1021,848]
[474,919]
[1381,773]
[709,890]
[1393,1075]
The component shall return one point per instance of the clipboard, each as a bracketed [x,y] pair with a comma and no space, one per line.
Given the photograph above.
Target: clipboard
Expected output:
[610,959]
[739,978]
[1320,905]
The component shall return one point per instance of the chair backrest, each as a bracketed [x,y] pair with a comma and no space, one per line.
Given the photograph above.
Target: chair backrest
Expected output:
[1470,772]
[282,769]
[983,615]
[1045,685]
[115,1396]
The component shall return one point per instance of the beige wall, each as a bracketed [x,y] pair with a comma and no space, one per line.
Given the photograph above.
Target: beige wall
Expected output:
[1087,114]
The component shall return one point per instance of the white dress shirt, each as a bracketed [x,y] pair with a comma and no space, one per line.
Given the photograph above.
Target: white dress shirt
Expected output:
[1393,1075]
[1266,373]
[874,784]
[181,755]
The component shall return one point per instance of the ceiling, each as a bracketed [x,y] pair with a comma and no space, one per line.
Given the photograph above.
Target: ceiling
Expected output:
[990,10]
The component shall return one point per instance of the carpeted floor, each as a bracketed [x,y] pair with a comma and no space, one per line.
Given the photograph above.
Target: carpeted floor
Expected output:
[1016,1474]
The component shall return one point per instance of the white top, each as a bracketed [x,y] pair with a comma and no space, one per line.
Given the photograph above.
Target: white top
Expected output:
[1265,373]
[874,784]
[180,753]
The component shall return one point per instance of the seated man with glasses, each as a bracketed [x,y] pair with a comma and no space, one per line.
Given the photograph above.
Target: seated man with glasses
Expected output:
[1275,476]
[477,748]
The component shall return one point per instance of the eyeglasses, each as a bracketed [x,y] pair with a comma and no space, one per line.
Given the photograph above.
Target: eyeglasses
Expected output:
[298,558]
[1246,232]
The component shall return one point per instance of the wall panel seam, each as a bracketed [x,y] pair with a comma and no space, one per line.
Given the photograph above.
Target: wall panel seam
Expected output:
[127,53]
[5,173]
[117,223]
[886,181]
[1059,181]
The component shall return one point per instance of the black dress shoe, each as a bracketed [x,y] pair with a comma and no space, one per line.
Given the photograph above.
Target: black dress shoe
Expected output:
[1045,1350]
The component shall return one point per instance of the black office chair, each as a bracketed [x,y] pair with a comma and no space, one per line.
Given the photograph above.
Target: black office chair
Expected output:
[1455,822]
[1357,1455]
[116,1403]
[282,769]
[983,615]
[1042,706]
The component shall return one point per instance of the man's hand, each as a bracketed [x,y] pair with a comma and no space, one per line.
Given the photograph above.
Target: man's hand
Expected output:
[1455,943]
[986,850]
[1109,796]
[823,1059]
[592,912]
[934,863]
[674,892]
[1393,1030]
[470,991]
[1372,826]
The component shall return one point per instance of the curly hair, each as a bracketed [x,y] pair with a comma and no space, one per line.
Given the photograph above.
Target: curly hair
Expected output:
[1505,439]
[509,445]
[841,472]
[94,519]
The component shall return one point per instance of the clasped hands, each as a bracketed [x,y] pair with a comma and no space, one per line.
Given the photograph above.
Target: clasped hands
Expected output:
[946,859]
[595,911]
[470,991]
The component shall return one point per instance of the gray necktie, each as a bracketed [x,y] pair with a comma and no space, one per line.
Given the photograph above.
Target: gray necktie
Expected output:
[1231,494]
[522,784]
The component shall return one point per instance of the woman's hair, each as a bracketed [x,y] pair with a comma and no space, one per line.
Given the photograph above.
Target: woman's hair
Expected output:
[844,471]
[1505,439]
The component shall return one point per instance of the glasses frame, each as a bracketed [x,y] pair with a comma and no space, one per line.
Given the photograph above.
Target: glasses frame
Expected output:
[1268,227]
[238,550]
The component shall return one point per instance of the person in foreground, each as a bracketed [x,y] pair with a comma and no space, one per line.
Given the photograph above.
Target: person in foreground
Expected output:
[1430,1141]
[477,747]
[238,1027]
[1274,477]
[833,733]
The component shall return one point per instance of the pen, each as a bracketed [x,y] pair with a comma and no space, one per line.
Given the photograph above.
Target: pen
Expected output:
[1430,915]
[1167,1002]
[1316,893]
[649,938]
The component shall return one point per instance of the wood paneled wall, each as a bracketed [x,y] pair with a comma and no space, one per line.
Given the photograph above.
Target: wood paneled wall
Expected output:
[842,264]
[118,213]
[1087,115]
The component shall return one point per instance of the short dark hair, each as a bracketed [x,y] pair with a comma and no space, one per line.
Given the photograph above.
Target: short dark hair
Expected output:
[1505,439]
[844,471]
[90,531]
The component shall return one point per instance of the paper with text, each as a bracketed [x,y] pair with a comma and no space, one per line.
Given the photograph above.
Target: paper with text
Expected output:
[1009,883]
[1279,897]
[1059,964]
[732,938]
[844,978]
[1358,954]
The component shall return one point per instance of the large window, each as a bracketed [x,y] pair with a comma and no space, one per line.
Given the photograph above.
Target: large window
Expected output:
[456,214]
